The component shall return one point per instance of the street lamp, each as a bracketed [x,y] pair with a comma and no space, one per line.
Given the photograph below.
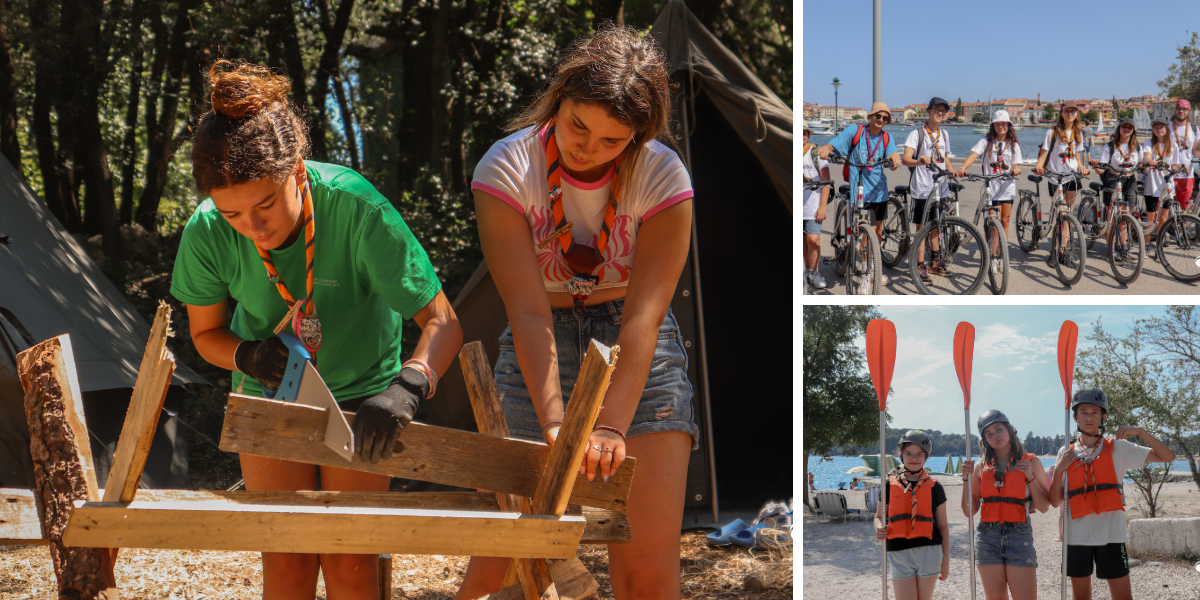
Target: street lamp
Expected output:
[837,83]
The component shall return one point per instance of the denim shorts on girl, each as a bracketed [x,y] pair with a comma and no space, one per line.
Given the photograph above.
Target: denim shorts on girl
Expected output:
[665,405]
[1005,544]
[922,561]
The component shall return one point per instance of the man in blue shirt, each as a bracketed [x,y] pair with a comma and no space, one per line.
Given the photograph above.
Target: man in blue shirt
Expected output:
[873,144]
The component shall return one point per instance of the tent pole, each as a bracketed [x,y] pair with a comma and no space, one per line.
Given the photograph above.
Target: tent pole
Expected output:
[709,447]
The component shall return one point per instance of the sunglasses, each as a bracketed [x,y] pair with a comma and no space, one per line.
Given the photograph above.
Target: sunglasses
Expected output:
[886,118]
[939,111]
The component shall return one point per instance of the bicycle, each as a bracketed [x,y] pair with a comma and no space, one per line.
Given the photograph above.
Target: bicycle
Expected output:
[862,269]
[993,231]
[960,253]
[1125,257]
[1178,243]
[897,237]
[813,185]
[1067,257]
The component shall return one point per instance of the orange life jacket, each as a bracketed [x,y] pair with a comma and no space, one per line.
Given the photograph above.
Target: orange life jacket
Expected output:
[901,523]
[1006,504]
[1093,488]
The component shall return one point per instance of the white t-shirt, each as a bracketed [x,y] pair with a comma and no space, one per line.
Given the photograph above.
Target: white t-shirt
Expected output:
[1007,153]
[812,198]
[921,183]
[1058,160]
[1120,156]
[514,170]
[1153,181]
[1185,138]
[1099,529]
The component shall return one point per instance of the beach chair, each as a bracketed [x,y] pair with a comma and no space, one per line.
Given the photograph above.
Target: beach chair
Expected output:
[831,505]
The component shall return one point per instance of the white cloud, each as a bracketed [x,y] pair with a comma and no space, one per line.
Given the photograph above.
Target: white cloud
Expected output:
[990,375]
[912,392]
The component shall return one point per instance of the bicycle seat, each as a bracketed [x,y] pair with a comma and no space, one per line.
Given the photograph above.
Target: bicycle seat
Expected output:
[1035,178]
[902,189]
[844,190]
[956,187]
[1096,186]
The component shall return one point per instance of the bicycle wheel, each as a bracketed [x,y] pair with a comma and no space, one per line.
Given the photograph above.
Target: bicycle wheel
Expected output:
[1126,258]
[1177,249]
[962,267]
[998,261]
[1027,223]
[1088,213]
[839,229]
[895,234]
[866,265]
[1071,255]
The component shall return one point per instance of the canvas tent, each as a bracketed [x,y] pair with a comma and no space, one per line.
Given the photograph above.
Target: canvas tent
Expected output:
[737,326]
[48,287]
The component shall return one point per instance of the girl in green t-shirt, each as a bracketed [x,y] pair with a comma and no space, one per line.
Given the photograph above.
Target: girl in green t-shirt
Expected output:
[316,245]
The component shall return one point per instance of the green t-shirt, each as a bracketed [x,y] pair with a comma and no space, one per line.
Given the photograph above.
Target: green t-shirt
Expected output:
[369,272]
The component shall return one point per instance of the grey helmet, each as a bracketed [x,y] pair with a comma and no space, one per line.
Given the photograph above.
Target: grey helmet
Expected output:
[992,416]
[918,437]
[1090,396]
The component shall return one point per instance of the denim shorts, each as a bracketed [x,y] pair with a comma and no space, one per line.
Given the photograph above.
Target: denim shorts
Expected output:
[666,402]
[922,561]
[812,227]
[1005,544]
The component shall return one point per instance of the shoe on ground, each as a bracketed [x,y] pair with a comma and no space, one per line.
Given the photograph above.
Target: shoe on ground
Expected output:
[1151,250]
[939,269]
[923,272]
[885,279]
[864,285]
[816,281]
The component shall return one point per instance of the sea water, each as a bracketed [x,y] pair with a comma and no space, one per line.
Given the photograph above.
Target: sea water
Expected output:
[963,138]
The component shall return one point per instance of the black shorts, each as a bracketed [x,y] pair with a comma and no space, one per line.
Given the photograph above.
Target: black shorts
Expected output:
[1070,186]
[878,210]
[918,215]
[1111,561]
[1151,203]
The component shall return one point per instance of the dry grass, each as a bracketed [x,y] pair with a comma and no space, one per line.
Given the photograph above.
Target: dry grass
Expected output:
[708,573]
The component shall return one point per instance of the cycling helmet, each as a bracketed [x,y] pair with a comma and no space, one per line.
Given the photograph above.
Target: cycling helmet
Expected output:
[992,416]
[1090,396]
[918,437]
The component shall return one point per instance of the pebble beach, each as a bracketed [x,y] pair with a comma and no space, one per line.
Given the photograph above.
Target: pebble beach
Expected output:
[843,560]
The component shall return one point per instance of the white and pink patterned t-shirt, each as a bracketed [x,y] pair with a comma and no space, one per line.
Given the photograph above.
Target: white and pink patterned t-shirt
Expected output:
[514,170]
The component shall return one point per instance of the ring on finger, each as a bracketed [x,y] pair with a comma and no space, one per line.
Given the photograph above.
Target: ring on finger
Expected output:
[606,450]
[596,448]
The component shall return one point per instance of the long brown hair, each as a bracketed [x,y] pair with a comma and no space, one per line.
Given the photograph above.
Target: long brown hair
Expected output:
[1061,128]
[1154,138]
[1115,139]
[1015,449]
[252,131]
[991,139]
[615,68]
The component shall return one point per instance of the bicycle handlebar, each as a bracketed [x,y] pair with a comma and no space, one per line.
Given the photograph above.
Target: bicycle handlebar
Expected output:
[842,160]
[1002,175]
[1060,177]
[818,183]
[1166,171]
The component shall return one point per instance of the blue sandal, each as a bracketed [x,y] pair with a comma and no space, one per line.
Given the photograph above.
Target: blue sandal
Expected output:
[722,536]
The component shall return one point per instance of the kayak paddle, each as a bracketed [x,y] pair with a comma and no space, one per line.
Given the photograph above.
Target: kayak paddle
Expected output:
[881,360]
[964,351]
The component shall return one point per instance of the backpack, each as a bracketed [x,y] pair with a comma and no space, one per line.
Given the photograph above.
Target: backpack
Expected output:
[854,144]
[811,150]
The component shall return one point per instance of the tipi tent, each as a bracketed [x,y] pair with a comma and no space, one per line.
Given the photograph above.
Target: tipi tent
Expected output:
[48,287]
[737,327]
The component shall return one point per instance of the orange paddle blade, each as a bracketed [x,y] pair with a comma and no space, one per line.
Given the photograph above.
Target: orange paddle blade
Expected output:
[881,356]
[1066,357]
[964,351]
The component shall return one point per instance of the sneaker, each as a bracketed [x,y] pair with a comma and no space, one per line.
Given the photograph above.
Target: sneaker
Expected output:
[1050,260]
[818,282]
[864,286]
[1065,259]
[994,267]
[923,272]
[939,269]
[1150,249]
[885,279]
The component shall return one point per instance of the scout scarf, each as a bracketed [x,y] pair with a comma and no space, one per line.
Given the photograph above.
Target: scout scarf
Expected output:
[935,152]
[1125,162]
[807,149]
[998,163]
[302,314]
[1068,144]
[1187,133]
[1001,471]
[910,487]
[1086,457]
[1160,155]
[580,259]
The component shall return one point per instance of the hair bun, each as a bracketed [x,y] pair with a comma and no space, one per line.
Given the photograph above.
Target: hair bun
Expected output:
[241,90]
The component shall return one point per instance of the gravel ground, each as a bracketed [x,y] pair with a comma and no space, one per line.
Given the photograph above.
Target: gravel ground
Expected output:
[843,560]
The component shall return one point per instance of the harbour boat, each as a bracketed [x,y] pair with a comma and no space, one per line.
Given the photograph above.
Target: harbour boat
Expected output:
[980,130]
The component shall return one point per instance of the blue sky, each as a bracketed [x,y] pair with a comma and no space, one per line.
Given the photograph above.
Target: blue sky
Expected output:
[935,49]
[1014,370]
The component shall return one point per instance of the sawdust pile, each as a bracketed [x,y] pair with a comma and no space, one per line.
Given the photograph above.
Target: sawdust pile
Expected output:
[708,573]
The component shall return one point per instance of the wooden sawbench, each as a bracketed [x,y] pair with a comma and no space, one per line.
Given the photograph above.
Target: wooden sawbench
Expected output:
[85,529]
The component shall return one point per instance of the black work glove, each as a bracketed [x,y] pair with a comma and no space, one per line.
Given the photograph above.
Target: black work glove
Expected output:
[379,419]
[264,360]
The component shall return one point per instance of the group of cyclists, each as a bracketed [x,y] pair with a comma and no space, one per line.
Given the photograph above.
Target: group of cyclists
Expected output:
[1165,159]
[1006,486]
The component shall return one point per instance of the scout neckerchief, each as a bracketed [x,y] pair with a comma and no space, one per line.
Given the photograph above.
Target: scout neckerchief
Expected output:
[580,259]
[999,472]
[998,164]
[1187,133]
[1068,144]
[1125,162]
[1160,156]
[910,487]
[808,148]
[1086,457]
[935,152]
[302,314]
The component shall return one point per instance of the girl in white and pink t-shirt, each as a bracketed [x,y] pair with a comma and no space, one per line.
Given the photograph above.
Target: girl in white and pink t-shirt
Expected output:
[585,222]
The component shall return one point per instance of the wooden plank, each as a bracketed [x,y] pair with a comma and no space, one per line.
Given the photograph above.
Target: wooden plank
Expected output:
[532,574]
[62,464]
[19,520]
[423,452]
[223,525]
[385,576]
[149,392]
[570,577]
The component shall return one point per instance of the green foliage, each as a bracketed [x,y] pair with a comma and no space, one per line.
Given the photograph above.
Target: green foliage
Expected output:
[840,406]
[1183,76]
[1125,113]
[1092,116]
[979,118]
[1048,112]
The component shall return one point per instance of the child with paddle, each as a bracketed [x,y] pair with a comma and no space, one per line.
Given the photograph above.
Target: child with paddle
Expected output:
[1005,489]
[915,528]
[1095,466]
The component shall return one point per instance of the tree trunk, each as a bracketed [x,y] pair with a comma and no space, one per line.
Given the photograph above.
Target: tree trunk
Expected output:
[335,34]
[47,80]
[439,68]
[347,122]
[414,132]
[285,26]
[9,145]
[129,147]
